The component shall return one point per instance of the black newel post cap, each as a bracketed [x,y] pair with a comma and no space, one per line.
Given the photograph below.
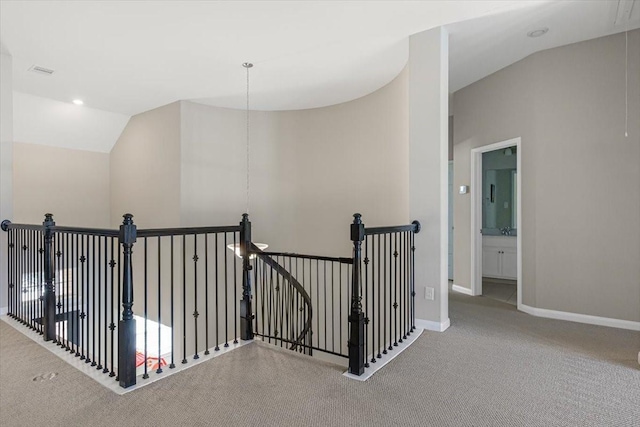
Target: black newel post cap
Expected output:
[5,225]
[48,220]
[128,231]
[357,228]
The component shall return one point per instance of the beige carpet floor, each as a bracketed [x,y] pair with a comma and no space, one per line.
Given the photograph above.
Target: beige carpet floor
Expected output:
[493,367]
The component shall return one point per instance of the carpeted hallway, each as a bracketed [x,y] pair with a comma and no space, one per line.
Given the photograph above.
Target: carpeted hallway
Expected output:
[494,366]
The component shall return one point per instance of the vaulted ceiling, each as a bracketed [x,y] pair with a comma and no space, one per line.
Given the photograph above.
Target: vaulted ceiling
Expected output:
[129,57]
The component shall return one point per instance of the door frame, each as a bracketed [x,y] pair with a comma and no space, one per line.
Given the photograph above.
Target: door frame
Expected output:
[476,214]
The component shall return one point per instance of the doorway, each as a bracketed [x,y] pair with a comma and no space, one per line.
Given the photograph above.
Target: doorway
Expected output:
[496,219]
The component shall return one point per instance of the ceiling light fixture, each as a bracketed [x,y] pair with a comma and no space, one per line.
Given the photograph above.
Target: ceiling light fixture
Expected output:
[235,247]
[537,33]
[78,101]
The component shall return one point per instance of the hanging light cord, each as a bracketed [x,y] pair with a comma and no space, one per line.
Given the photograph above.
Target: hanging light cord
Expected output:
[247,65]
[626,84]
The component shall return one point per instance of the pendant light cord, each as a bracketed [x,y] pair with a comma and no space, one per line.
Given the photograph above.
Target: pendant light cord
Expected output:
[247,65]
[626,84]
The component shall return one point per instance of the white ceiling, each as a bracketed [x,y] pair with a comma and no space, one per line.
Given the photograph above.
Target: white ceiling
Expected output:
[130,57]
[62,124]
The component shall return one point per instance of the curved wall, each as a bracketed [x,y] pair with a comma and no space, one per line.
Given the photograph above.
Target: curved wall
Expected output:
[310,169]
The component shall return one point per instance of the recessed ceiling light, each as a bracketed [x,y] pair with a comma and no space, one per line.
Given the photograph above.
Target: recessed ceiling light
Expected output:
[78,101]
[538,33]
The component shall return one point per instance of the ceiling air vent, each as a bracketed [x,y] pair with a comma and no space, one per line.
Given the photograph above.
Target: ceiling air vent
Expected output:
[41,70]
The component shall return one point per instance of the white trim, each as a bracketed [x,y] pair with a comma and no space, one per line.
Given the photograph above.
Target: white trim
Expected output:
[104,379]
[375,367]
[430,325]
[461,289]
[4,310]
[580,318]
[476,214]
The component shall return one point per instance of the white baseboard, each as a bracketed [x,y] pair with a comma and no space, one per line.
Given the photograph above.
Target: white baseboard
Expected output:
[461,289]
[4,310]
[580,318]
[430,325]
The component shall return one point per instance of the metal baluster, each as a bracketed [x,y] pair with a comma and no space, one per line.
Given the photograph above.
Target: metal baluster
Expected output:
[184,299]
[99,338]
[333,317]
[217,348]
[206,294]
[226,299]
[34,276]
[83,314]
[173,352]
[270,304]
[159,369]
[114,305]
[93,302]
[195,295]
[395,290]
[120,285]
[76,294]
[106,304]
[404,286]
[317,331]
[379,262]
[10,281]
[366,301]
[325,304]
[413,282]
[384,293]
[104,290]
[340,324]
[235,291]
[58,339]
[145,375]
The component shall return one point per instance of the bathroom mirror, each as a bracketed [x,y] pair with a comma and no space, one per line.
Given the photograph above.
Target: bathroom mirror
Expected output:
[499,193]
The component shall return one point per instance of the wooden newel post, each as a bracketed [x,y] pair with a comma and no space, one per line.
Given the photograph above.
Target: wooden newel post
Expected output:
[49,297]
[127,325]
[356,317]
[246,313]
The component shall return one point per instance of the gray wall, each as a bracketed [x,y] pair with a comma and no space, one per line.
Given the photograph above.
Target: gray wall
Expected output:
[580,175]
[145,169]
[311,170]
[71,184]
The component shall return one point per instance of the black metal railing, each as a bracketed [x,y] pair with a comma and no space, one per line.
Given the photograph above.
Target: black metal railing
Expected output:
[67,283]
[302,301]
[388,290]
[360,307]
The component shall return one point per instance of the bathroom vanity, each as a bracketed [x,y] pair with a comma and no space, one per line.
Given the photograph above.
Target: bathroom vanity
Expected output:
[500,257]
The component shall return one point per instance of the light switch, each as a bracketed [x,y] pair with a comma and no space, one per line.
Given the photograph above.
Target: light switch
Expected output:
[464,189]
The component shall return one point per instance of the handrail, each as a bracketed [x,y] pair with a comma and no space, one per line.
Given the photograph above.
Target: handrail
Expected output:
[86,231]
[8,225]
[314,257]
[266,258]
[104,232]
[180,231]
[414,226]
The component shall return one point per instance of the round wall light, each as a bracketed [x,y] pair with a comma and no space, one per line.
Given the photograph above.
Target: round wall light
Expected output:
[78,101]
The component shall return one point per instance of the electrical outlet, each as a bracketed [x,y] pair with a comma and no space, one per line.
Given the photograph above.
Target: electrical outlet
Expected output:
[428,293]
